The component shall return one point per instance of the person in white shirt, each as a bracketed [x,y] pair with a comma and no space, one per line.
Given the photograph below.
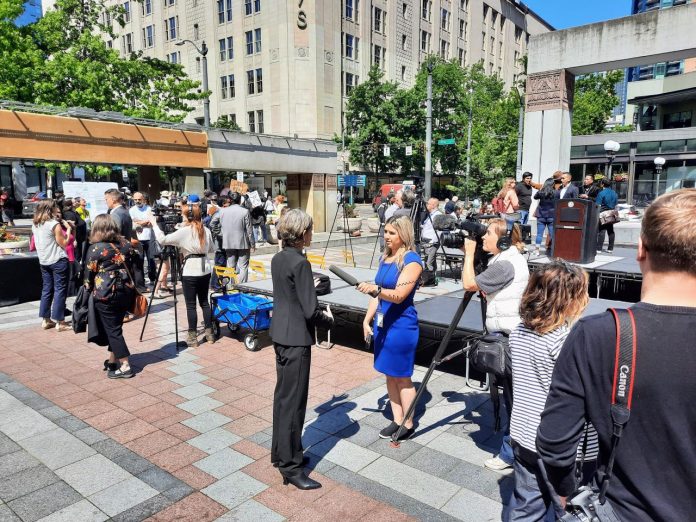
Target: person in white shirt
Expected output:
[140,213]
[395,204]
[195,243]
[429,237]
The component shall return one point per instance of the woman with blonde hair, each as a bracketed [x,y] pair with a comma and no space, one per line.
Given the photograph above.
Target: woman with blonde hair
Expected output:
[195,242]
[51,242]
[555,298]
[392,318]
[511,202]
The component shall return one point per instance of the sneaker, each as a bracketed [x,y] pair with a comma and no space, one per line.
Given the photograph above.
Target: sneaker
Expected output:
[47,324]
[387,432]
[63,326]
[610,251]
[406,434]
[497,464]
[120,374]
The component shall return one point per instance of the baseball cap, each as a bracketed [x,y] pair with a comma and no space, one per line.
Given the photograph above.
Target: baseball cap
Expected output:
[194,198]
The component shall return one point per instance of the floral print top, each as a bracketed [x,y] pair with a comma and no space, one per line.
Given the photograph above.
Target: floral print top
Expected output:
[106,268]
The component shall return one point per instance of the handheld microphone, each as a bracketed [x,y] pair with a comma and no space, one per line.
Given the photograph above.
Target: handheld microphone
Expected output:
[347,277]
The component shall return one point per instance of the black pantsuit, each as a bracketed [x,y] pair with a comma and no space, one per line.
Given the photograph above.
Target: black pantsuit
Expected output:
[295,313]
[289,406]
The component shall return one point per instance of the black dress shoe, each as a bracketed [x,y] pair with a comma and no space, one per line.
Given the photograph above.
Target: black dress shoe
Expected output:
[305,461]
[301,481]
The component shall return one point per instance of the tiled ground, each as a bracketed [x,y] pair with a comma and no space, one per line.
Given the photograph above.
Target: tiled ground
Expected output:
[188,438]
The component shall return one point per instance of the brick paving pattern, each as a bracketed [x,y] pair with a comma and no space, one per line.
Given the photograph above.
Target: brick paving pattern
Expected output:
[188,438]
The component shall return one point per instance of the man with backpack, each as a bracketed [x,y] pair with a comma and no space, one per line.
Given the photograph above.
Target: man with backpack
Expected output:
[653,472]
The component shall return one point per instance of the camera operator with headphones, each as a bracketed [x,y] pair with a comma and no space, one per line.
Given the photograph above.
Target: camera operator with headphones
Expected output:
[195,242]
[502,284]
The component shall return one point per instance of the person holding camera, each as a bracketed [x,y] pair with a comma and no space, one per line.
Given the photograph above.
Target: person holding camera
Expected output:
[502,283]
[392,318]
[555,297]
[653,462]
[296,313]
[194,242]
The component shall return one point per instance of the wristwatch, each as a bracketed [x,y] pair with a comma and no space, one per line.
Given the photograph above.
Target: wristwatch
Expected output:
[379,291]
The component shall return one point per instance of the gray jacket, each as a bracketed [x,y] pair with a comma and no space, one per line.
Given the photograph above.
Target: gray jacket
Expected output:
[236,228]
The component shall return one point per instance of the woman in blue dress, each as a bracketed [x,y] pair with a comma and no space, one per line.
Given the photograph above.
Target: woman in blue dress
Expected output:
[392,318]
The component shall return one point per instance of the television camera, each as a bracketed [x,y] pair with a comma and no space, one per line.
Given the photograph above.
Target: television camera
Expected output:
[168,217]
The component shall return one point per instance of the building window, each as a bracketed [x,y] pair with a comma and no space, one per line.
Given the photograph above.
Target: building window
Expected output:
[171,27]
[403,72]
[404,11]
[350,45]
[223,49]
[518,34]
[259,121]
[126,12]
[427,9]
[247,7]
[110,44]
[494,18]
[127,43]
[149,36]
[198,64]
[463,4]
[444,49]
[677,120]
[378,56]
[147,7]
[228,10]
[500,50]
[403,42]
[251,85]
[379,22]
[259,81]
[174,57]
[462,29]
[352,9]
[221,11]
[230,82]
[251,115]
[169,2]
[196,34]
[351,82]
[444,20]
[485,13]
[461,57]
[257,6]
[257,42]
[425,41]
[502,23]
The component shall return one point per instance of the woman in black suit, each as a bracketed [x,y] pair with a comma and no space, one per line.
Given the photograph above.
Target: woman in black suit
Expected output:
[295,314]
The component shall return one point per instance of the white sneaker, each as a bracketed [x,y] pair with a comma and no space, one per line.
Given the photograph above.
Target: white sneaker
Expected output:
[497,464]
[47,323]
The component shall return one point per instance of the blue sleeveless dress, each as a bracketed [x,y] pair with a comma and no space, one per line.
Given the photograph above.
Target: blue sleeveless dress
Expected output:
[395,342]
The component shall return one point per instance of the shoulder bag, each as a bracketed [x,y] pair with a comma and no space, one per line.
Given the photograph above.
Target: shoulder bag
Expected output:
[609,216]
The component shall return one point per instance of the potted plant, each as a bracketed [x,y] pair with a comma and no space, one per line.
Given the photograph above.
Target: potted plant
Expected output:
[350,219]
[11,242]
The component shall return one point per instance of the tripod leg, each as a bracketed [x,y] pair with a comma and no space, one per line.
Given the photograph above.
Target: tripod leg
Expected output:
[152,296]
[376,241]
[328,241]
[437,359]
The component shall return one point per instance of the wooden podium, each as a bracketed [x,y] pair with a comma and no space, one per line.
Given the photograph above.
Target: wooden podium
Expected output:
[575,230]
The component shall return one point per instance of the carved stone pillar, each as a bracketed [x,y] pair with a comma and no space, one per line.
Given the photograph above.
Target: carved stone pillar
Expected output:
[549,90]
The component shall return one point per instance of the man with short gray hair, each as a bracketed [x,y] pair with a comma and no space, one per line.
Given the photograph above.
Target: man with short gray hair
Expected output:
[237,236]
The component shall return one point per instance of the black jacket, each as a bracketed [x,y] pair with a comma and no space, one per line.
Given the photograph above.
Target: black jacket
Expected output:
[590,191]
[295,307]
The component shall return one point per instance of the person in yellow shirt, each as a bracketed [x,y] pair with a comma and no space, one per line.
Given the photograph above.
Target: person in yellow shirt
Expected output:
[81,210]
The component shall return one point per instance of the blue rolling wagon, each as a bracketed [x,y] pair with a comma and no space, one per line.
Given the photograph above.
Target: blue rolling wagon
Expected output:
[242,311]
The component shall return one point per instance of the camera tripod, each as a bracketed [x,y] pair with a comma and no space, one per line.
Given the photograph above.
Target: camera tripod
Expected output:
[171,254]
[438,359]
[346,233]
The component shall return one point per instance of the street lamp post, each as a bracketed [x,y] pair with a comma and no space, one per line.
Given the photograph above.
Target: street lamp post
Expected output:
[659,164]
[429,133]
[611,148]
[203,51]
[468,144]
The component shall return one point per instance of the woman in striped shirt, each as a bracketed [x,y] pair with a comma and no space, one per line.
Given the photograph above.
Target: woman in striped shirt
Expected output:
[555,297]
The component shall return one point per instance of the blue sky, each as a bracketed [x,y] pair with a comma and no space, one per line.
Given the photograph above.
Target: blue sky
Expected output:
[568,13]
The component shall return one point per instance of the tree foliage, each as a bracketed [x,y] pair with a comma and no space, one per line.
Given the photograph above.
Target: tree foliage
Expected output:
[380,113]
[63,60]
[593,102]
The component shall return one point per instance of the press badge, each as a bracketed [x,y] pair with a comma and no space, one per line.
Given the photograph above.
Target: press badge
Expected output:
[380,319]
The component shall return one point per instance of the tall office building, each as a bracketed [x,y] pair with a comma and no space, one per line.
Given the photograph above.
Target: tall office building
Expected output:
[286,67]
[32,12]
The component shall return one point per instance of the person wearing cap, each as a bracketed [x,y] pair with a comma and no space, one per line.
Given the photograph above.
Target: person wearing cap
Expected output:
[164,199]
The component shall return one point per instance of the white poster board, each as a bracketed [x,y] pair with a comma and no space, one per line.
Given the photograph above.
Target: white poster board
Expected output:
[92,191]
[254,198]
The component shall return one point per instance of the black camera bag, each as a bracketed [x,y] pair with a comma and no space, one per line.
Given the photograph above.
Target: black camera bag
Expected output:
[324,286]
[491,354]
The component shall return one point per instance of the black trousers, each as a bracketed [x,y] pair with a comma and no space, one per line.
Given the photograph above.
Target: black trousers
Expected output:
[289,406]
[196,288]
[148,251]
[110,315]
[608,228]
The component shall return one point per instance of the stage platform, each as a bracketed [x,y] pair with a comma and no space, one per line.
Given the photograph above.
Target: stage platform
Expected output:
[610,274]
[436,306]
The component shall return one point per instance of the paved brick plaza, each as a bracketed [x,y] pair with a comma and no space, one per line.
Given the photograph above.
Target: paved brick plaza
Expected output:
[188,437]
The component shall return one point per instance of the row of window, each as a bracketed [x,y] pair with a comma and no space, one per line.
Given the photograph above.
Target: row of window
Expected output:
[224,9]
[254,119]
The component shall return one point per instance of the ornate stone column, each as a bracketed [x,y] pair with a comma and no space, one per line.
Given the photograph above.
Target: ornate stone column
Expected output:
[547,123]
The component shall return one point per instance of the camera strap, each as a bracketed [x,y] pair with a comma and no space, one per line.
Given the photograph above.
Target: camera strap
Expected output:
[622,387]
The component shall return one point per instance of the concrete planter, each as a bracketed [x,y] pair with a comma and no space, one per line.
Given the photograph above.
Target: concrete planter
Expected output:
[373,225]
[354,224]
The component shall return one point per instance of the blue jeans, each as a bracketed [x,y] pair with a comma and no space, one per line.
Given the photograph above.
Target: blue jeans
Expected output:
[524,216]
[260,232]
[541,224]
[533,498]
[54,290]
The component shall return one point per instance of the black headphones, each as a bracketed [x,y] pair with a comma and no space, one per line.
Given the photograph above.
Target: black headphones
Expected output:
[505,242]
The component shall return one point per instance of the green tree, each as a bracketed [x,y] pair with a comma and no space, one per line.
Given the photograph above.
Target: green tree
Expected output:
[593,101]
[66,62]
[225,123]
[371,116]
